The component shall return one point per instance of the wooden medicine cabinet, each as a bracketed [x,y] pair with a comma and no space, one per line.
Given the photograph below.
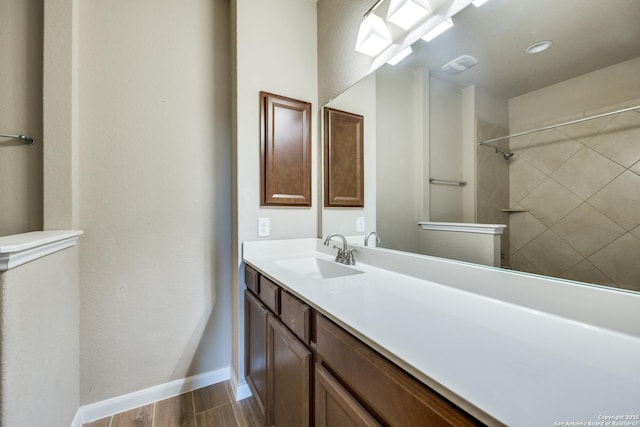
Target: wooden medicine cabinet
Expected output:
[285,151]
[343,159]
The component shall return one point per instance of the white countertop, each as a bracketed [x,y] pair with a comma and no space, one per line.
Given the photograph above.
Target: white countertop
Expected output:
[501,361]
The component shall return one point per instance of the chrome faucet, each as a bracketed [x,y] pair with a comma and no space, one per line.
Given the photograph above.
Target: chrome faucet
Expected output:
[371,233]
[345,255]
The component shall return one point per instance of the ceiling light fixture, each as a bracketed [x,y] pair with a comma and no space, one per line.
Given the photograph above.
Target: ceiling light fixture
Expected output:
[439,29]
[373,36]
[400,56]
[478,3]
[405,13]
[539,46]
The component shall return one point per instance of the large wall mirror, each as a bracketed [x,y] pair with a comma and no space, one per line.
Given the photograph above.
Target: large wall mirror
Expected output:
[569,194]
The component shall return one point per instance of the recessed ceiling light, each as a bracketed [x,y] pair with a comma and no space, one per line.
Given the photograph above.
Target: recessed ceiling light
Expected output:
[539,47]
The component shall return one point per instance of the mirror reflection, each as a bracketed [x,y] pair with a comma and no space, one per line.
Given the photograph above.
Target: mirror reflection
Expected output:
[569,195]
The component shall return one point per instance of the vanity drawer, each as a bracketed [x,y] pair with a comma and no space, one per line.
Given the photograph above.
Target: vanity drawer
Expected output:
[392,395]
[270,294]
[296,315]
[251,279]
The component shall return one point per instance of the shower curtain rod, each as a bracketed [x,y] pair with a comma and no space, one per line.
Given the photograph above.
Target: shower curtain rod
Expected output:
[25,139]
[570,122]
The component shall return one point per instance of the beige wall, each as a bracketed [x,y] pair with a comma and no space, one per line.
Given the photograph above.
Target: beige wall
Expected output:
[579,183]
[445,150]
[40,342]
[268,34]
[339,66]
[154,192]
[399,163]
[21,113]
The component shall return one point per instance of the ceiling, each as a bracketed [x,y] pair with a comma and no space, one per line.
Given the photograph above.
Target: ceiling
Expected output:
[587,35]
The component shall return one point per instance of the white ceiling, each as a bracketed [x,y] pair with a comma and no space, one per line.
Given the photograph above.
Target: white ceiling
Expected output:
[587,35]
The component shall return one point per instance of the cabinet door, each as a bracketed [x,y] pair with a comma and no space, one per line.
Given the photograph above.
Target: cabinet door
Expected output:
[289,378]
[285,159]
[335,406]
[255,347]
[396,398]
[343,159]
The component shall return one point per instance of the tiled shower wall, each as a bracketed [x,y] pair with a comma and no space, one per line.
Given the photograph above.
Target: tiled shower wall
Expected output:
[493,182]
[580,185]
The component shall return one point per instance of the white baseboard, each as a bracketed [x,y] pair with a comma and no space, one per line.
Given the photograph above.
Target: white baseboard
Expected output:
[241,391]
[105,408]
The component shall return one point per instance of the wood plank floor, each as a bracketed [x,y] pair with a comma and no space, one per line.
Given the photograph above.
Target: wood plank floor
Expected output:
[212,406]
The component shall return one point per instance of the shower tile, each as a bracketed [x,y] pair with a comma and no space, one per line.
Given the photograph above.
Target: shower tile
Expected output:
[619,261]
[520,263]
[550,202]
[523,178]
[620,200]
[585,131]
[492,188]
[587,172]
[550,150]
[588,273]
[519,143]
[550,254]
[636,232]
[635,168]
[620,139]
[587,230]
[523,228]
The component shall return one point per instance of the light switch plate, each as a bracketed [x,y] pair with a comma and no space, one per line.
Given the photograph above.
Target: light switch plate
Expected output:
[360,224]
[264,227]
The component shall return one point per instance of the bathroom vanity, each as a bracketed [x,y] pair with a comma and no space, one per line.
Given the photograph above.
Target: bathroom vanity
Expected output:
[402,339]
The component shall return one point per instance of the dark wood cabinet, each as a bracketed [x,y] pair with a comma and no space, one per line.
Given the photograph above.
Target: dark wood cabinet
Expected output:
[351,384]
[335,406]
[285,154]
[296,316]
[288,376]
[251,279]
[270,294]
[255,348]
[392,395]
[343,159]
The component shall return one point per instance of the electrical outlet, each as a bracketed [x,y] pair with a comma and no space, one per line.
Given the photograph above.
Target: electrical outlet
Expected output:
[360,224]
[264,227]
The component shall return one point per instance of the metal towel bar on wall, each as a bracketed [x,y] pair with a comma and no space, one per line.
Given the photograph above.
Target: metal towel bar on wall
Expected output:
[25,139]
[447,182]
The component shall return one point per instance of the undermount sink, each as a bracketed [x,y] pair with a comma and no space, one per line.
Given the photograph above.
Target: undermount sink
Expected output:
[317,268]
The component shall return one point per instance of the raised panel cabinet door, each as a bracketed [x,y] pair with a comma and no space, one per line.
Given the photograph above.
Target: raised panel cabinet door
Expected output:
[255,345]
[289,378]
[395,398]
[335,406]
[343,159]
[285,156]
